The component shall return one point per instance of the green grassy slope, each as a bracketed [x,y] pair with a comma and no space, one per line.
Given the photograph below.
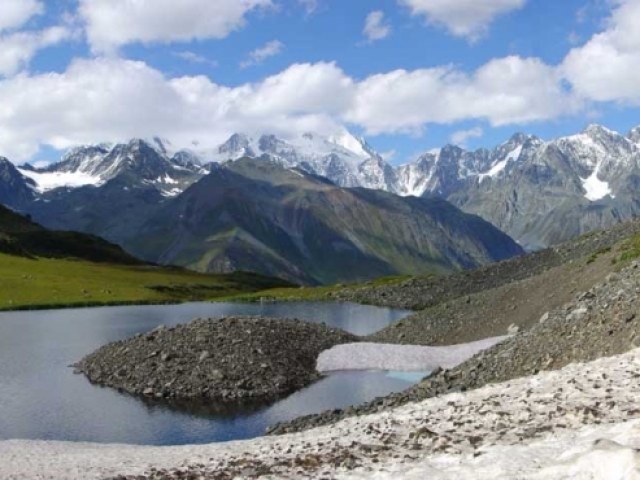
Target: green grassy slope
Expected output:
[44,269]
[50,283]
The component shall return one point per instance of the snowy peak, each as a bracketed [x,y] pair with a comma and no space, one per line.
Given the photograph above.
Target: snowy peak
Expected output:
[351,143]
[344,159]
[146,162]
[634,136]
[237,146]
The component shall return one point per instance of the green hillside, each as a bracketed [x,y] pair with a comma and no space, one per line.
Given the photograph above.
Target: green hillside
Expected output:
[44,269]
[49,283]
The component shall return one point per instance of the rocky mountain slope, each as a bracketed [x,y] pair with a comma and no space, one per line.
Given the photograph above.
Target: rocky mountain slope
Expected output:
[258,215]
[264,215]
[540,193]
[554,191]
[580,310]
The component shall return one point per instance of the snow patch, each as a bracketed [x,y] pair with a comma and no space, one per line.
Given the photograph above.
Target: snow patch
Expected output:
[595,188]
[52,180]
[166,180]
[501,165]
[351,143]
[174,192]
[585,439]
[400,358]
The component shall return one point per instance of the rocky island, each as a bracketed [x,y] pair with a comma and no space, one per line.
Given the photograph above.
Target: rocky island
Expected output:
[230,360]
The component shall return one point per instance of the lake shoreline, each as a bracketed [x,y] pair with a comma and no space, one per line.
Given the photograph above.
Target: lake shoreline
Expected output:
[515,428]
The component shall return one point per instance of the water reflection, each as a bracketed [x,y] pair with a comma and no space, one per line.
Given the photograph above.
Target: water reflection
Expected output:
[41,398]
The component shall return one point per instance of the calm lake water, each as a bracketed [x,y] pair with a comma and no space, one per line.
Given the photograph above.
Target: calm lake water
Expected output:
[41,398]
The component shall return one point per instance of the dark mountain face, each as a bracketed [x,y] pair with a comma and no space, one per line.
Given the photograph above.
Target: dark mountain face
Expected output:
[256,215]
[16,190]
[21,236]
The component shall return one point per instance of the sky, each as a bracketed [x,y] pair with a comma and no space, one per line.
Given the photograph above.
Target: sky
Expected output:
[408,75]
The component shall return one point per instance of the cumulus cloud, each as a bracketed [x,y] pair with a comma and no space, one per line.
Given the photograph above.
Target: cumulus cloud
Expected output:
[109,99]
[606,67]
[114,99]
[17,49]
[375,27]
[114,23]
[259,55]
[462,18]
[509,90]
[462,136]
[193,57]
[15,13]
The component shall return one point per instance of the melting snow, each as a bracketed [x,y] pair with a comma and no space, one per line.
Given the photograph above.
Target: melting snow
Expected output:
[52,180]
[596,189]
[374,356]
[513,430]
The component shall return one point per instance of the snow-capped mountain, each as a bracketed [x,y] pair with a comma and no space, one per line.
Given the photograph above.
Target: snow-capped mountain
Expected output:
[558,189]
[345,159]
[147,161]
[539,192]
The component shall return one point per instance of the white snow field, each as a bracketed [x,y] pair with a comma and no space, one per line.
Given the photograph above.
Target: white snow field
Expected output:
[400,358]
[582,422]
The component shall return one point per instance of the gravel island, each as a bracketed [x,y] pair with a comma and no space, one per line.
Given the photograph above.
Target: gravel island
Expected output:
[230,360]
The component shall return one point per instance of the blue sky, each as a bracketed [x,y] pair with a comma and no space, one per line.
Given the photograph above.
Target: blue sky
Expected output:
[424,73]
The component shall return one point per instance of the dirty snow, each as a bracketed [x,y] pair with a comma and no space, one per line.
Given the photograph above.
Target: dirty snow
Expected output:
[582,422]
[401,358]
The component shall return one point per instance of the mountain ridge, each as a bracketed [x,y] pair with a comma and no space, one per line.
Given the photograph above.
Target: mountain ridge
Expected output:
[304,227]
[539,192]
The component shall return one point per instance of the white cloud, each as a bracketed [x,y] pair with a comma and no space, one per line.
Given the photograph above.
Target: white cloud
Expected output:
[460,137]
[509,90]
[109,99]
[606,67]
[113,23]
[193,57]
[463,18]
[114,99]
[15,13]
[259,55]
[375,27]
[17,49]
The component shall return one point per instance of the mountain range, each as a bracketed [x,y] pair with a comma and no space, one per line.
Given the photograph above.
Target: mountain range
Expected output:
[539,192]
[253,214]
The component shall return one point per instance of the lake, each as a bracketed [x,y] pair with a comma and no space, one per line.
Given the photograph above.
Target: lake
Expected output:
[41,398]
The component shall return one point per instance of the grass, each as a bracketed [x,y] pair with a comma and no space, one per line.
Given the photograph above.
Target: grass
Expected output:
[30,283]
[309,294]
[630,251]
